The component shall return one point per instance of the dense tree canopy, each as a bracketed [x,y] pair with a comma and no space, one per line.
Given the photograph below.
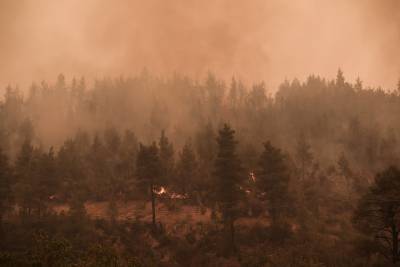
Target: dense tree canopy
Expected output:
[84,163]
[378,213]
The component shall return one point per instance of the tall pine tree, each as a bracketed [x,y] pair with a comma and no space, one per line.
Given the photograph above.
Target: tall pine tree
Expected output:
[273,180]
[187,170]
[228,179]
[5,186]
[148,171]
[166,155]
[304,155]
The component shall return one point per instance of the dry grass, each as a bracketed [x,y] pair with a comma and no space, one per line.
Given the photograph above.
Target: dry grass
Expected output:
[139,210]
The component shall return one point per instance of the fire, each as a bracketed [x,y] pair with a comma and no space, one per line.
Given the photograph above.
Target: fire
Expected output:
[178,196]
[171,195]
[161,191]
[252,176]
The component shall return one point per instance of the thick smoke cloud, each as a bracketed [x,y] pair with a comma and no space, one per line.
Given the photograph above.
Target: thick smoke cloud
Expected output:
[255,40]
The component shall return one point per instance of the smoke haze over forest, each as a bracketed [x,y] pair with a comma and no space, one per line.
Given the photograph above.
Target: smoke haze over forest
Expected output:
[254,40]
[260,133]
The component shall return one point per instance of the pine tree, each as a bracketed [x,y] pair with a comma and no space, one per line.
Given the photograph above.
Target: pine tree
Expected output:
[114,182]
[148,172]
[187,169]
[388,149]
[233,94]
[345,171]
[257,98]
[76,203]
[340,81]
[36,179]
[378,213]
[5,186]
[205,144]
[23,189]
[112,141]
[166,155]
[215,91]
[46,182]
[359,85]
[72,158]
[128,154]
[304,155]
[273,179]
[100,171]
[228,179]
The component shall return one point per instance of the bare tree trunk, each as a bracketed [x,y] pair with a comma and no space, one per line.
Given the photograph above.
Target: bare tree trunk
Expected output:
[153,204]
[232,230]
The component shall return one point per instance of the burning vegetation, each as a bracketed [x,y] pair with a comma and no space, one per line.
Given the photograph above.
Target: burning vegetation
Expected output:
[298,178]
[173,137]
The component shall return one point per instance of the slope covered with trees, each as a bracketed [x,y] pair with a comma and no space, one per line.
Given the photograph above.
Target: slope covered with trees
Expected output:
[199,173]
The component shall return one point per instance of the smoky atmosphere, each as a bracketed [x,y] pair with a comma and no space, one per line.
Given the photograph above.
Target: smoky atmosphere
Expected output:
[223,133]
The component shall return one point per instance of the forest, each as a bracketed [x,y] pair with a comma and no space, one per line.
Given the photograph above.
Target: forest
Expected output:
[172,171]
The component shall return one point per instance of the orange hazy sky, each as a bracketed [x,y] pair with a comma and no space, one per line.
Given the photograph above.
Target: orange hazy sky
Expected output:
[255,40]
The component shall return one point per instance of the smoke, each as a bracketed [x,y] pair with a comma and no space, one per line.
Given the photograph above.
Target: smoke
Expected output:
[254,40]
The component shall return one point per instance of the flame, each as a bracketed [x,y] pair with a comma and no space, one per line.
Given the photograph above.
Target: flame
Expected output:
[178,196]
[172,195]
[252,176]
[245,190]
[161,191]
